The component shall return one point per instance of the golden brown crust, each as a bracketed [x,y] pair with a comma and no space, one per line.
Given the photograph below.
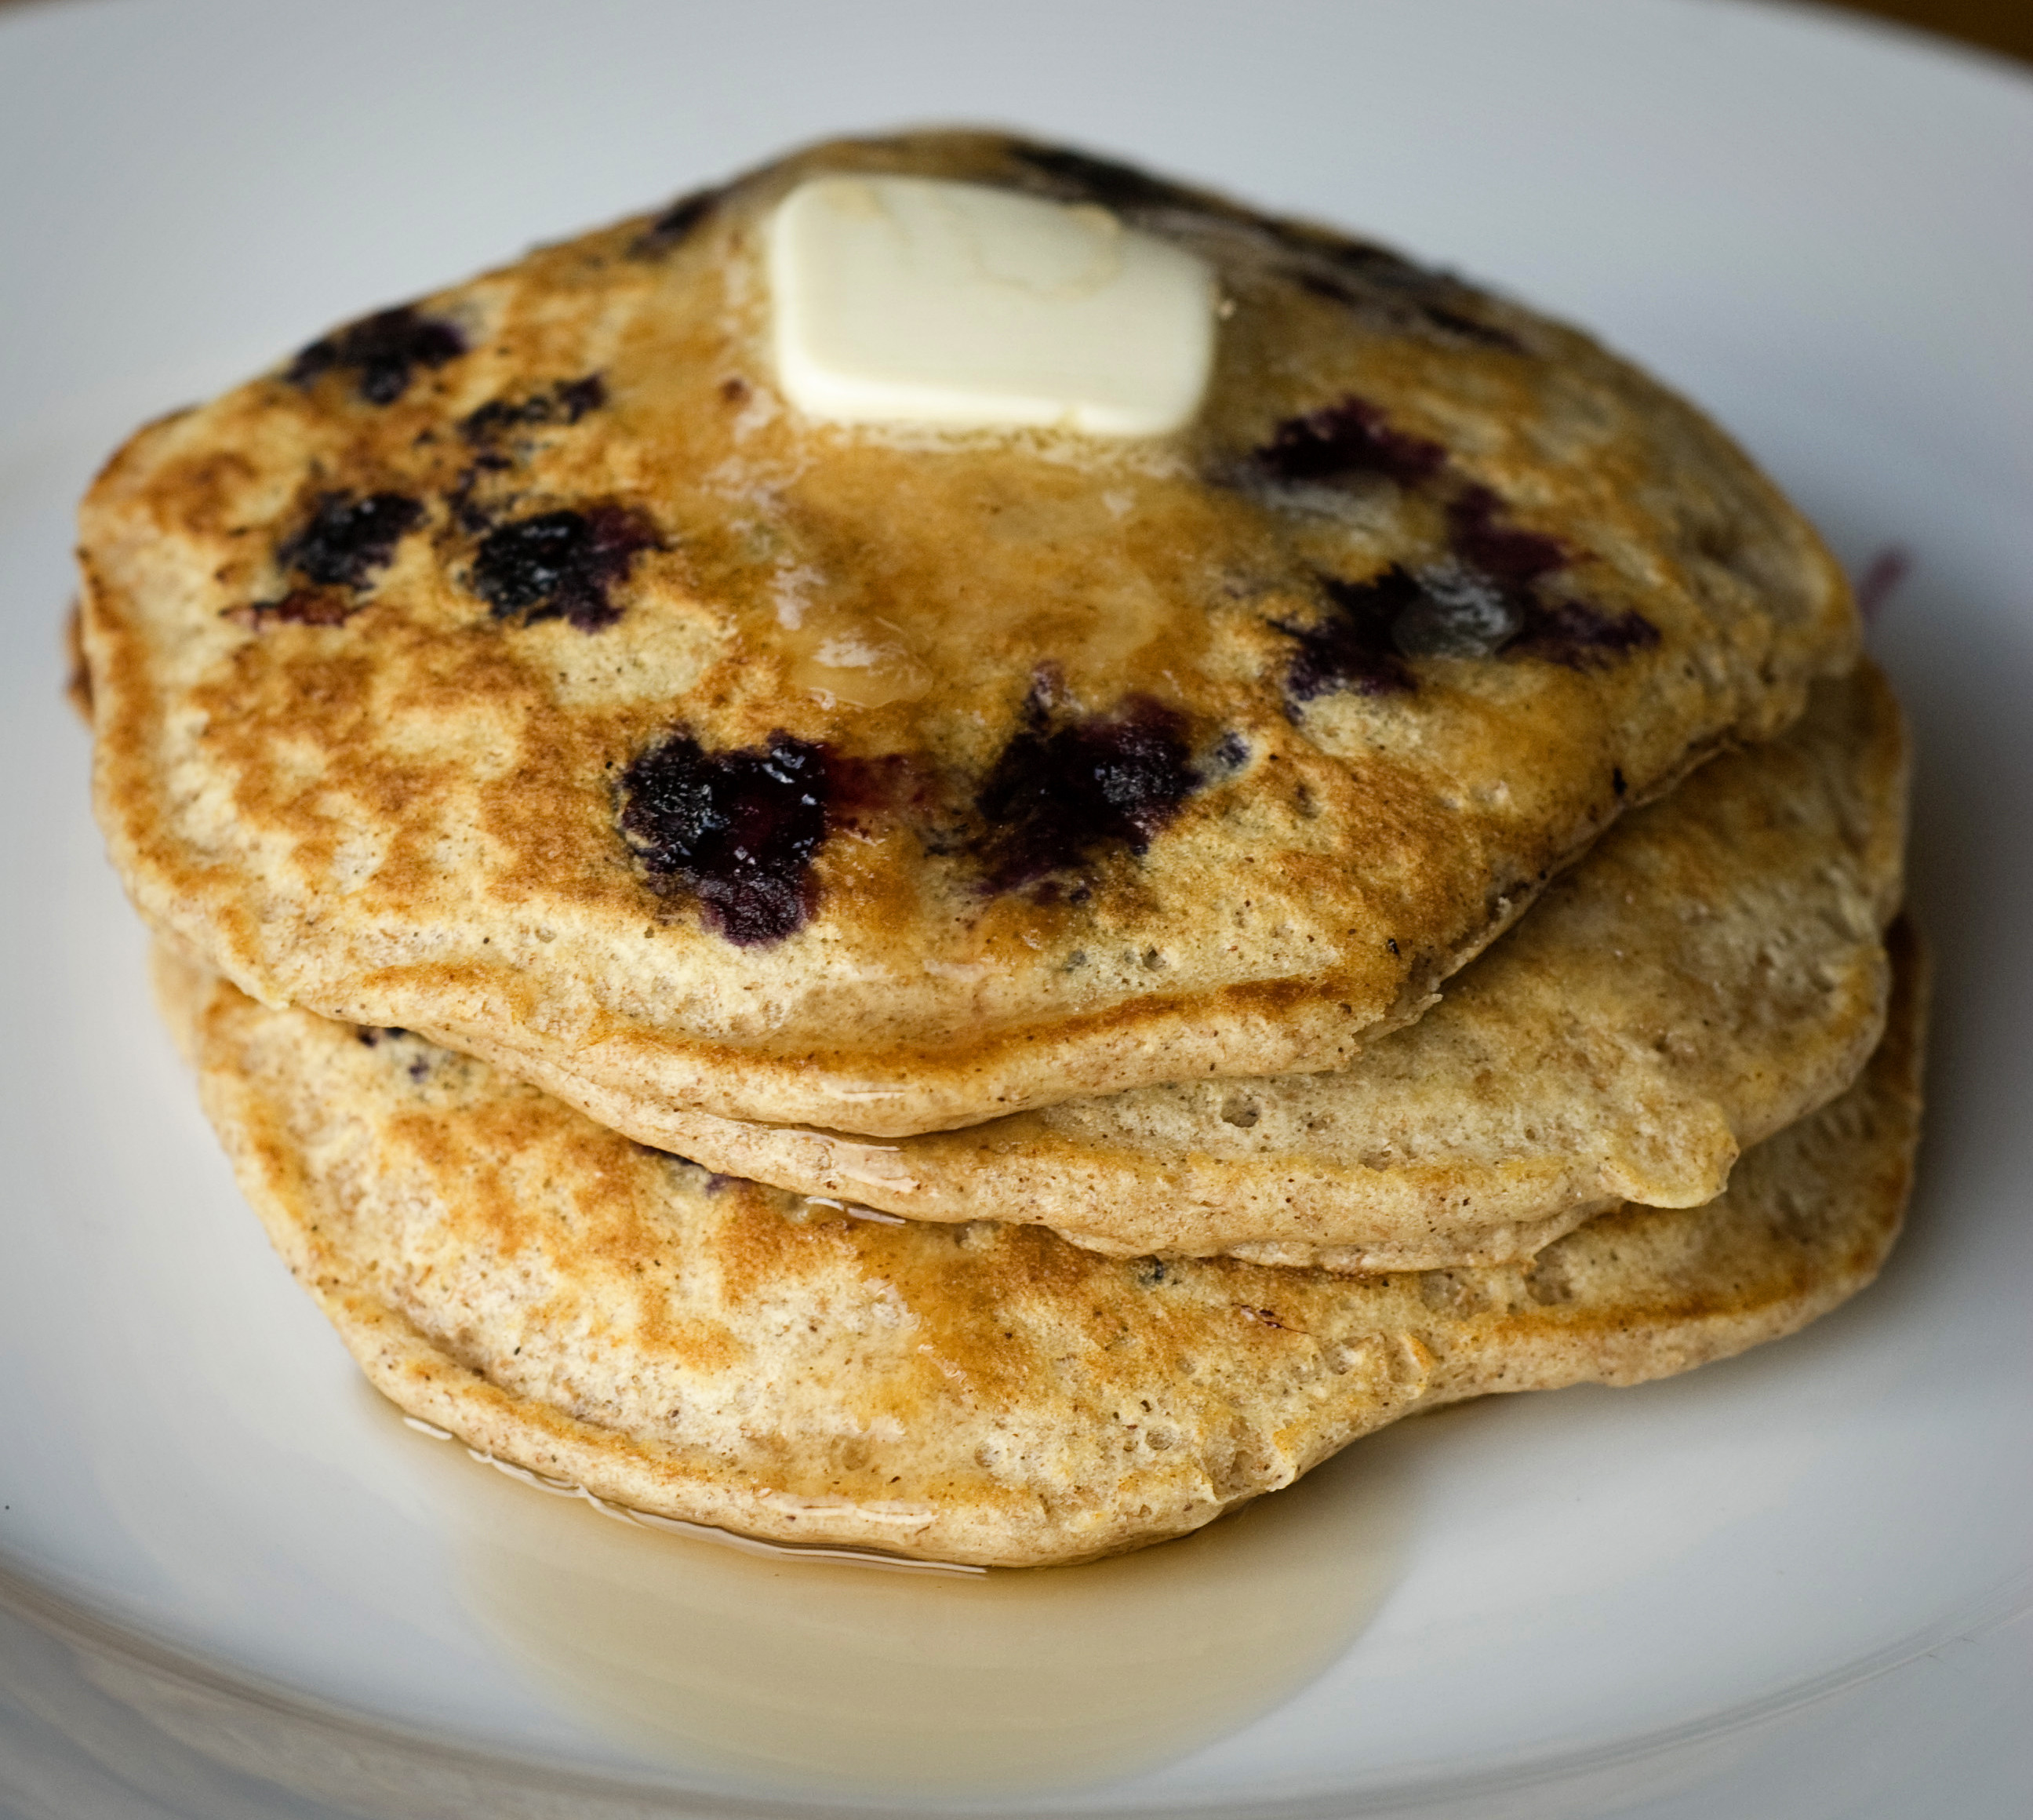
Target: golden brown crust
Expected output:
[1710,971]
[332,767]
[717,1352]
[77,672]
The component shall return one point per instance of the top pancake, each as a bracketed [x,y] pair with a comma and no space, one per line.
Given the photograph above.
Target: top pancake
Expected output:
[516,667]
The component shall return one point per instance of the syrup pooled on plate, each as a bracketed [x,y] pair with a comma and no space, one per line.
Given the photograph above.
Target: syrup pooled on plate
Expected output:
[809,1674]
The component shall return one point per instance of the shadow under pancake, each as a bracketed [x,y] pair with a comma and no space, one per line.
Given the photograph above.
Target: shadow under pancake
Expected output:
[809,1675]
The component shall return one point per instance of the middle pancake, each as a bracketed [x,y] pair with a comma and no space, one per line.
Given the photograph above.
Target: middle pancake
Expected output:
[1713,971]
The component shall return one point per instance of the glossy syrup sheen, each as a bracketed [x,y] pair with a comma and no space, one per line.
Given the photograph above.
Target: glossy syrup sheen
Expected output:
[853,1679]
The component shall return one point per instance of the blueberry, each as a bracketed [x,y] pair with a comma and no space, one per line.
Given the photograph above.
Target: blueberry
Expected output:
[348,539]
[382,350]
[559,565]
[1059,795]
[1349,438]
[738,830]
[1352,646]
[675,224]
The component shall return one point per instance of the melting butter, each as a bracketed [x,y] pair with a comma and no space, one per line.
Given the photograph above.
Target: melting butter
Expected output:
[919,300]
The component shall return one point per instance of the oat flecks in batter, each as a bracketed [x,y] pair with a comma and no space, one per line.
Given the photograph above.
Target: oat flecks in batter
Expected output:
[558,1297]
[368,801]
[1711,971]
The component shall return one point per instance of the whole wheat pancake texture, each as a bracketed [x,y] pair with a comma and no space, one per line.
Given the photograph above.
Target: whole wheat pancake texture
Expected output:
[1711,970]
[517,666]
[720,1353]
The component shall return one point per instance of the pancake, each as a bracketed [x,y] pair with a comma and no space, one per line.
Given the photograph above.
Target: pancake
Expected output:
[717,1352]
[516,666]
[1710,971]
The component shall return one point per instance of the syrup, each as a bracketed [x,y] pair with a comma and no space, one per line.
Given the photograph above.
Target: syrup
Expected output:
[802,1674]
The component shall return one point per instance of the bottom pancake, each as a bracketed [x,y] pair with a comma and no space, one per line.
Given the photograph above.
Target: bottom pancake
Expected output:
[714,1351]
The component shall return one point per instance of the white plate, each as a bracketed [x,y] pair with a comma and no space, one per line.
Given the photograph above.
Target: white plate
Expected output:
[231,1584]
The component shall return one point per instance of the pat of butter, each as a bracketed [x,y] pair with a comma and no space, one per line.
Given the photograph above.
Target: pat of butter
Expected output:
[909,299]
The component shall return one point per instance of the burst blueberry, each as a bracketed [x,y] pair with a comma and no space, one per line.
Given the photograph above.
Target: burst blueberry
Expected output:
[1059,796]
[737,829]
[347,540]
[1350,437]
[382,351]
[561,565]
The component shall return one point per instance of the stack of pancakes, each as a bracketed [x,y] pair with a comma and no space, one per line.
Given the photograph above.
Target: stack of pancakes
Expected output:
[990,997]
